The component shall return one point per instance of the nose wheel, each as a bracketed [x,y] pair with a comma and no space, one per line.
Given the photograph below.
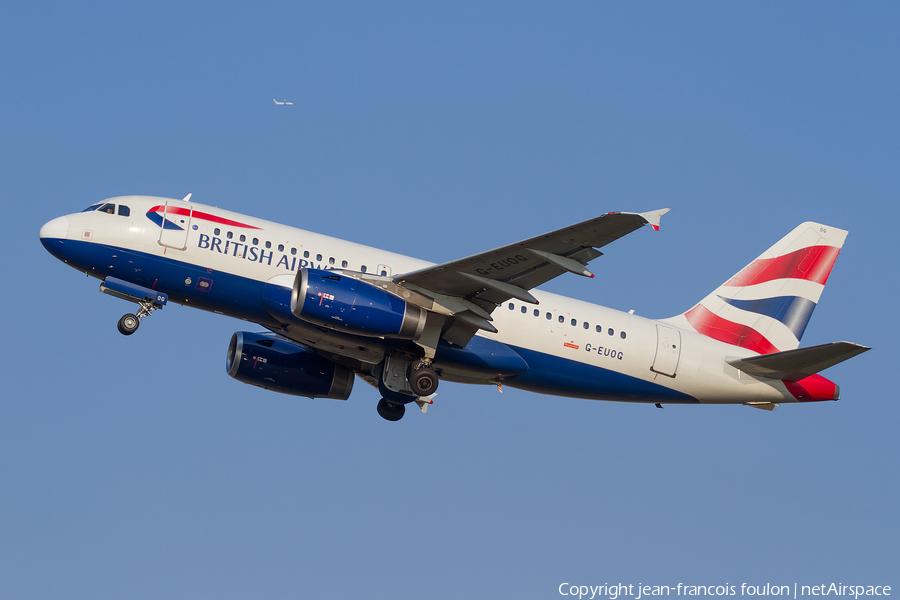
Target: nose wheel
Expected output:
[128,324]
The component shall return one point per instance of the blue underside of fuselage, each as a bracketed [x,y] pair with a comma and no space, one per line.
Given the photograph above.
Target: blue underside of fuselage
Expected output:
[548,374]
[242,298]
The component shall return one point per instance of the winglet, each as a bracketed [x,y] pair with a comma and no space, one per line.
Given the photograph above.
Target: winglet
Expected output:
[653,217]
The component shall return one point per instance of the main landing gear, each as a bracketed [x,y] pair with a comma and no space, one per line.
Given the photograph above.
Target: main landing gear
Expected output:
[422,378]
[404,380]
[390,411]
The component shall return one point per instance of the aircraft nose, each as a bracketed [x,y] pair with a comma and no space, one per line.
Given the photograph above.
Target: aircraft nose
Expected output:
[57,228]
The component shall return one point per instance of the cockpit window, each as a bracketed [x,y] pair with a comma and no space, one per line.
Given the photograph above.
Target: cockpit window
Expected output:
[124,211]
[109,207]
[92,207]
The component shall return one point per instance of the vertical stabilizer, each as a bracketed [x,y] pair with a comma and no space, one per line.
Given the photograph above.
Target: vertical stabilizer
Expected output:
[767,305]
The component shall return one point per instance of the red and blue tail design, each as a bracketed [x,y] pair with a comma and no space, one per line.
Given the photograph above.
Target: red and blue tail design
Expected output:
[767,305]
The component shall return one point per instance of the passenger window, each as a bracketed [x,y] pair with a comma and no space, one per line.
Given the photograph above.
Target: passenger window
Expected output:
[562,319]
[574,322]
[344,263]
[217,231]
[383,273]
[256,241]
[512,306]
[229,235]
[599,328]
[281,247]
[293,252]
[363,268]
[268,245]
[622,335]
[243,237]
[611,332]
[537,313]
[330,260]
[91,208]
[524,309]
[549,316]
[306,254]
[108,208]
[318,257]
[587,325]
[124,211]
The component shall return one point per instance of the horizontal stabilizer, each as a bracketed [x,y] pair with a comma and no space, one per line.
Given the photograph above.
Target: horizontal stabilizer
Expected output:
[794,365]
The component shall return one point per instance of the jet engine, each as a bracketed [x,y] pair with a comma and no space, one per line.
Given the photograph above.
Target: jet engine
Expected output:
[271,363]
[346,304]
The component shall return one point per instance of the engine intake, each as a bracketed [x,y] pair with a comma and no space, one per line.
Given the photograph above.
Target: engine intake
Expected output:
[346,304]
[271,363]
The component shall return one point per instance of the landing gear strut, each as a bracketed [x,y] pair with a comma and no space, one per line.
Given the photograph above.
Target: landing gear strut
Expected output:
[391,411]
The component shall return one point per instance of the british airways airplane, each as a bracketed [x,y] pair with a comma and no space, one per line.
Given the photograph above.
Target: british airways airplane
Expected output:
[335,310]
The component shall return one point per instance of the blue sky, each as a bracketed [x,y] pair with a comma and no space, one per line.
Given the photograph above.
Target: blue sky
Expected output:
[134,467]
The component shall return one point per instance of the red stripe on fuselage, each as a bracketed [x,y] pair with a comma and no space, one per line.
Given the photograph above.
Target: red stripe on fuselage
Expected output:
[812,264]
[714,326]
[174,210]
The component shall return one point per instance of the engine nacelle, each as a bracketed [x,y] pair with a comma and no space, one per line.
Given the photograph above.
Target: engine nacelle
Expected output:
[274,364]
[345,304]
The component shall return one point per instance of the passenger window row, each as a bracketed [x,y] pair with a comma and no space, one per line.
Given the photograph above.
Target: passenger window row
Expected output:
[268,245]
[573,322]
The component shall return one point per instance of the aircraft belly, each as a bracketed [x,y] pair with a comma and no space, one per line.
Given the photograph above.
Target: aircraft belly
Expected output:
[483,360]
[548,374]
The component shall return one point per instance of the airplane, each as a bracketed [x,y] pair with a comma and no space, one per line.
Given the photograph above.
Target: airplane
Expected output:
[333,310]
[282,103]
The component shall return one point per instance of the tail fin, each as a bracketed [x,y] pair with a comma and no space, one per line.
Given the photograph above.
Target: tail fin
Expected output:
[767,305]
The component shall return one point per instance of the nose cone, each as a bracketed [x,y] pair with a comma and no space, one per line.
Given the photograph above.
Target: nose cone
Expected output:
[55,229]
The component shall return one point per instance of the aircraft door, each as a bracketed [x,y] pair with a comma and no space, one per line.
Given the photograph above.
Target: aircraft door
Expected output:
[668,350]
[176,224]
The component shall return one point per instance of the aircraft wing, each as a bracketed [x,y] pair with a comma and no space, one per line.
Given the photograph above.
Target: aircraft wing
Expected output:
[473,286]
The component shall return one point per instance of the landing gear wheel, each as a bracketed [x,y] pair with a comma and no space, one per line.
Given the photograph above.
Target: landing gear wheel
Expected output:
[423,381]
[128,324]
[389,411]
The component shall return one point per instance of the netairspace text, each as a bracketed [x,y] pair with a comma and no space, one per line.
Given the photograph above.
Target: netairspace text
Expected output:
[639,591]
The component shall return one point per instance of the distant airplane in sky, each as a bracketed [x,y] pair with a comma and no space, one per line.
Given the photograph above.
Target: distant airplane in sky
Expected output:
[283,103]
[335,310]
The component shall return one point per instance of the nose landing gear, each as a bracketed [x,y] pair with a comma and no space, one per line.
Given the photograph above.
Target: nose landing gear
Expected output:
[148,300]
[129,323]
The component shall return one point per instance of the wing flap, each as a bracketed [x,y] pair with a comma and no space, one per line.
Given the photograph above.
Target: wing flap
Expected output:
[794,365]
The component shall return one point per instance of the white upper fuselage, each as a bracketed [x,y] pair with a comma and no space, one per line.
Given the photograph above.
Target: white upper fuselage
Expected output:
[222,242]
